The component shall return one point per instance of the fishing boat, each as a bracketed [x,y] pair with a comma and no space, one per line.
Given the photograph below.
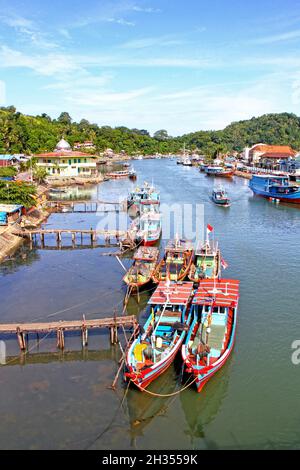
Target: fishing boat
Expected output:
[149,228]
[140,273]
[219,171]
[207,262]
[220,197]
[118,174]
[176,263]
[145,193]
[277,188]
[154,350]
[132,174]
[211,336]
[187,162]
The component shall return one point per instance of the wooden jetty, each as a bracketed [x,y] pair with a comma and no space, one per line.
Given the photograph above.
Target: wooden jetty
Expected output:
[22,330]
[121,237]
[81,206]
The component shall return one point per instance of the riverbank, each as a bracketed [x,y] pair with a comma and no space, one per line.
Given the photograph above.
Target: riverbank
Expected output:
[9,242]
[76,181]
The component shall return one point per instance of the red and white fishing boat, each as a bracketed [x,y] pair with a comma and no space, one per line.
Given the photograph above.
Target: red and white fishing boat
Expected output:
[211,337]
[154,350]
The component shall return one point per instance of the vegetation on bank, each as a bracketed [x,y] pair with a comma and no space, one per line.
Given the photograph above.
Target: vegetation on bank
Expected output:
[7,171]
[20,133]
[17,193]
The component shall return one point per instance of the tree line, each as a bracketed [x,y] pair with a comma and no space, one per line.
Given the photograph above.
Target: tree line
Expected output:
[21,133]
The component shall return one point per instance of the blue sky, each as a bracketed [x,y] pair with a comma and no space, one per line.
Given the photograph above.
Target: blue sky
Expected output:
[151,64]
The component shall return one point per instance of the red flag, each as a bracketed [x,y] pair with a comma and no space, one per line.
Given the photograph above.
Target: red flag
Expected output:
[210,228]
[224,264]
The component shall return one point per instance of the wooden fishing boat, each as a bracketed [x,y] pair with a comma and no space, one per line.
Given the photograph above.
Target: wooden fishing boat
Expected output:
[207,262]
[149,228]
[176,263]
[219,171]
[219,196]
[143,194]
[211,337]
[118,174]
[154,350]
[140,273]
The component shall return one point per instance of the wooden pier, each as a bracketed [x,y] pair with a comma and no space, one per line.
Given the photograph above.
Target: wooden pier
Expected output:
[22,330]
[81,207]
[120,237]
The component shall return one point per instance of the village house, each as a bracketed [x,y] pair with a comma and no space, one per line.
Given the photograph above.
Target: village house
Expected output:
[65,162]
[268,155]
[87,145]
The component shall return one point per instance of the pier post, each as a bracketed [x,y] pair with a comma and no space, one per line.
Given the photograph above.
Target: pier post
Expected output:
[60,338]
[21,339]
[42,240]
[84,333]
[73,239]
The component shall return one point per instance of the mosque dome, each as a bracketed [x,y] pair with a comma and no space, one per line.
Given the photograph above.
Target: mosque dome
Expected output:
[63,145]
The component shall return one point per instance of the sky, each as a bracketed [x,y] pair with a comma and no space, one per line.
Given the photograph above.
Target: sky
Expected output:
[151,64]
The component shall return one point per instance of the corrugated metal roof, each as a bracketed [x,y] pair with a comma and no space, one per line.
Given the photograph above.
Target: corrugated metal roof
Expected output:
[175,293]
[10,208]
[221,292]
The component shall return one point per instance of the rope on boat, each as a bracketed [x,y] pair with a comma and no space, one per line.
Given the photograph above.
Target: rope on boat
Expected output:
[166,395]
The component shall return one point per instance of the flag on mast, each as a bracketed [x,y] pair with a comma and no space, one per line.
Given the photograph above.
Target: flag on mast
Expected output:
[209,228]
[224,263]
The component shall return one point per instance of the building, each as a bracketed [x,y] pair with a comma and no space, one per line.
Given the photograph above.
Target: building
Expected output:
[87,145]
[8,160]
[10,213]
[266,155]
[65,162]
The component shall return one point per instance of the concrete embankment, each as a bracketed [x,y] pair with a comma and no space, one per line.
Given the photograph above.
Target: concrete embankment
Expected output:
[243,174]
[63,182]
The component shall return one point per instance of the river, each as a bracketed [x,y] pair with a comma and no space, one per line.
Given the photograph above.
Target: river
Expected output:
[54,400]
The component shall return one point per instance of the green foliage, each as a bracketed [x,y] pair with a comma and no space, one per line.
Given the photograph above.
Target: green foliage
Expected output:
[7,171]
[27,134]
[17,193]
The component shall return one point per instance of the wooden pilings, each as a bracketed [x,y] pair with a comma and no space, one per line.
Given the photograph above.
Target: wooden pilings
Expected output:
[21,339]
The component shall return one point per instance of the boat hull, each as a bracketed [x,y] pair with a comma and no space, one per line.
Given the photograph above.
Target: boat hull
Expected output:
[282,198]
[144,379]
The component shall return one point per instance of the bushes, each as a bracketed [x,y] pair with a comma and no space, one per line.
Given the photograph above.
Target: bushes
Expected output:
[17,193]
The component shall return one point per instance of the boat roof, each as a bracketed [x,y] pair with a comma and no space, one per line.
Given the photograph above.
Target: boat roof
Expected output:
[146,253]
[271,176]
[179,245]
[175,293]
[150,216]
[223,292]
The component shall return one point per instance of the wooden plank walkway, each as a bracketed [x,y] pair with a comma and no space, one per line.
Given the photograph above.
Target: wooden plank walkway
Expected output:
[60,327]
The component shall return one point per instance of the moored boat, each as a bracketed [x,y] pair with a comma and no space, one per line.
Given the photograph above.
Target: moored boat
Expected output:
[140,273]
[147,193]
[275,188]
[207,262]
[219,171]
[220,197]
[154,350]
[118,174]
[149,228]
[176,263]
[211,336]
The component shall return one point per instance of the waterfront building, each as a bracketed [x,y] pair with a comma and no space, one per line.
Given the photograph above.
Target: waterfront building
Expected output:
[268,155]
[10,213]
[65,162]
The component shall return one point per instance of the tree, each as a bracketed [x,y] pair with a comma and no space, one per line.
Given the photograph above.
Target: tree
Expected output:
[65,118]
[161,135]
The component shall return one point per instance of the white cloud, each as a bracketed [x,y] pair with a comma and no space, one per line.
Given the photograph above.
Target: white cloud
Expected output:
[146,9]
[121,21]
[290,35]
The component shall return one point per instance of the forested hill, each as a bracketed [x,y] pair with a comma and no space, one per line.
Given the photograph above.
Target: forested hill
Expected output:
[32,134]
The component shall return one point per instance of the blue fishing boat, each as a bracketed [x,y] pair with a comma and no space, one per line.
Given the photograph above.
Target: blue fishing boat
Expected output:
[154,350]
[142,194]
[148,228]
[220,197]
[275,188]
